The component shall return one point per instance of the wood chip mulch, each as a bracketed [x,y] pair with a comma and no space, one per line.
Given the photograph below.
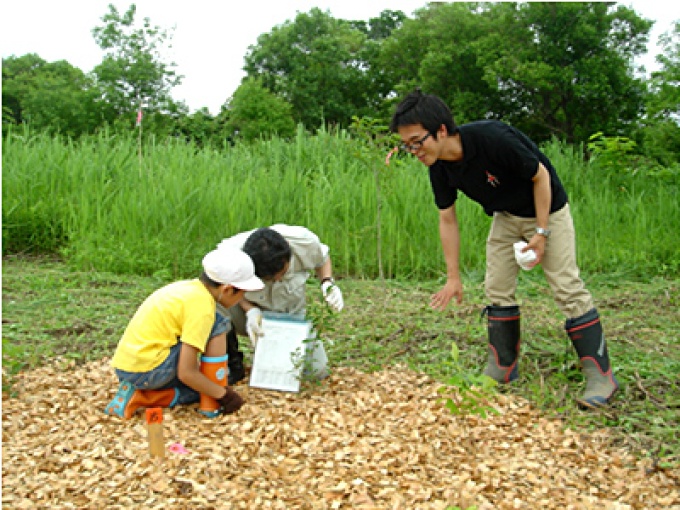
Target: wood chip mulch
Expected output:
[366,441]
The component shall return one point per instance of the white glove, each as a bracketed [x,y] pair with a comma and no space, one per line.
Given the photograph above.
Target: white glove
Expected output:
[332,295]
[526,260]
[254,325]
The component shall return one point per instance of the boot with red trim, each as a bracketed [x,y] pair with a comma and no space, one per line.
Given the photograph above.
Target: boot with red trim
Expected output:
[587,337]
[504,328]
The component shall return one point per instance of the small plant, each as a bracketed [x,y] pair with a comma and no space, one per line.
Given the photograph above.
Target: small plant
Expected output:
[303,362]
[377,142]
[302,358]
[472,389]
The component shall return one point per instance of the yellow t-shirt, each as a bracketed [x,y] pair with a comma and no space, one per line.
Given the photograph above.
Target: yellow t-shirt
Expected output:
[183,309]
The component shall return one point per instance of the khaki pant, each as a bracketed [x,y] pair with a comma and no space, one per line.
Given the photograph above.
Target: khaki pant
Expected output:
[559,261]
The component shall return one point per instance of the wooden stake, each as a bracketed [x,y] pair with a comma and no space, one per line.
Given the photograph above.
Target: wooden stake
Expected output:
[154,424]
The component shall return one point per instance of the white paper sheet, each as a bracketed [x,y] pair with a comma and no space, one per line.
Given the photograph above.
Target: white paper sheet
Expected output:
[273,362]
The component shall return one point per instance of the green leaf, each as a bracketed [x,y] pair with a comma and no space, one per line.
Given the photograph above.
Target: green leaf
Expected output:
[455,352]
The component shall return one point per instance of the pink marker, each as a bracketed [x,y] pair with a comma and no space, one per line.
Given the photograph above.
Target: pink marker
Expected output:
[178,448]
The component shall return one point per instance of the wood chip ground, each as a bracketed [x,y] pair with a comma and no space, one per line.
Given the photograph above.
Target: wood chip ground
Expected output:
[364,441]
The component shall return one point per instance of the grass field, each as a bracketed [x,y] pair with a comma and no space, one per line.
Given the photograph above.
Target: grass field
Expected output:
[100,207]
[52,314]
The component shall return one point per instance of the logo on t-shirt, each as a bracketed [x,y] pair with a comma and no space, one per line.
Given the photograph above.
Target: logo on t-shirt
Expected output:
[492,179]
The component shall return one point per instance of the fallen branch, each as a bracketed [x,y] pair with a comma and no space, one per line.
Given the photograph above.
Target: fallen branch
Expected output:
[398,353]
[392,336]
[655,400]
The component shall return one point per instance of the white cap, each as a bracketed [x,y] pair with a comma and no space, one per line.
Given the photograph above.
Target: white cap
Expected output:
[232,266]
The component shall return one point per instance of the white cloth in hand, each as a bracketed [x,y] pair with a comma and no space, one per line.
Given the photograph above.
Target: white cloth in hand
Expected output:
[527,259]
[254,325]
[332,295]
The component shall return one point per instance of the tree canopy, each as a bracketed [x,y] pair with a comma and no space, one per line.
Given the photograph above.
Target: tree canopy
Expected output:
[54,96]
[322,65]
[552,69]
[133,71]
[662,133]
[255,112]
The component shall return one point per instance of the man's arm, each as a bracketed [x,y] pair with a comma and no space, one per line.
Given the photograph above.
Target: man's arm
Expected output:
[331,292]
[542,202]
[325,271]
[450,239]
[245,305]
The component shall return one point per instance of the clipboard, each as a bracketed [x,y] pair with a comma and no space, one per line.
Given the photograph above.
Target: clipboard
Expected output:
[287,347]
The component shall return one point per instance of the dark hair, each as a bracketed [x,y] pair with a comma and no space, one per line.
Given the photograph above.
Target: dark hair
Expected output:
[208,281]
[426,109]
[269,251]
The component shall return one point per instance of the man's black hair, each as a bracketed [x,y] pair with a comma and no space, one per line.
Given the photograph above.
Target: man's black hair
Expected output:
[426,109]
[269,251]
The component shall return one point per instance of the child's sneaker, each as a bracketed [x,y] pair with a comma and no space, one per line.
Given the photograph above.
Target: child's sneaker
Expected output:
[117,405]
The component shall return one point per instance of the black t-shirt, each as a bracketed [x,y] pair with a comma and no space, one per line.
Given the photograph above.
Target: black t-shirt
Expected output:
[498,164]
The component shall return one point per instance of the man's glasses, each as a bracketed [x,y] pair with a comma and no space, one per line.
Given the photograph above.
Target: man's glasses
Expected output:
[414,146]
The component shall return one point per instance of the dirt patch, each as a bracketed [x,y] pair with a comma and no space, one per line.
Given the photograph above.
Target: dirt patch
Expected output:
[369,441]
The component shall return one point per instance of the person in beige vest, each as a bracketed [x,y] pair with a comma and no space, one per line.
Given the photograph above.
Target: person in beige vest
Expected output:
[285,256]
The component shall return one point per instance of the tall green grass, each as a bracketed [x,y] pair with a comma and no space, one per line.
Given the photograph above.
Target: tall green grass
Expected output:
[103,207]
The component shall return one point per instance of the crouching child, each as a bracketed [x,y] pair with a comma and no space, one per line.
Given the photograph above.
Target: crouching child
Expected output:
[174,350]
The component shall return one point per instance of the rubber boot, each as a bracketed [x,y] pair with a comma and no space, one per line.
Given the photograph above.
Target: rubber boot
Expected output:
[236,370]
[587,337]
[503,327]
[128,400]
[215,369]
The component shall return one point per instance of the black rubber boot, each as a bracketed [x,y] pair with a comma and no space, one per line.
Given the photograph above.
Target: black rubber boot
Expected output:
[235,362]
[587,337]
[503,328]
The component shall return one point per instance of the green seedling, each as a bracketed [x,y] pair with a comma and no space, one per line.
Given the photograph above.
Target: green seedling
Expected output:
[472,391]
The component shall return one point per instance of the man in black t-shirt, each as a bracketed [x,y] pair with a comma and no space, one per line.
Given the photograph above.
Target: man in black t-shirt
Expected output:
[499,167]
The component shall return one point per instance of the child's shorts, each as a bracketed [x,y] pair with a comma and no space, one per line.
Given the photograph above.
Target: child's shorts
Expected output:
[165,374]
